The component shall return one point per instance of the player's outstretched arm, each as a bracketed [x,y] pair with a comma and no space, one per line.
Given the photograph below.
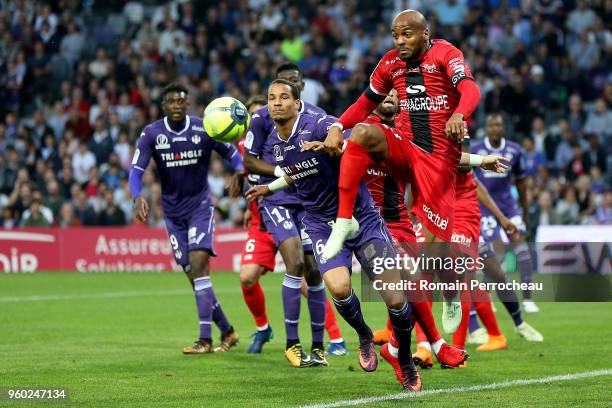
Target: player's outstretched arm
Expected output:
[489,162]
[255,165]
[268,189]
[485,198]
[140,161]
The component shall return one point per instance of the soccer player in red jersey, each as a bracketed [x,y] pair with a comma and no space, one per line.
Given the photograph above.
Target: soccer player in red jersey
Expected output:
[436,93]
[388,195]
[258,257]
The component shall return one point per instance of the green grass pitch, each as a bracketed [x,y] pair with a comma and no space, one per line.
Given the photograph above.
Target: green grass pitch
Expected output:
[116,339]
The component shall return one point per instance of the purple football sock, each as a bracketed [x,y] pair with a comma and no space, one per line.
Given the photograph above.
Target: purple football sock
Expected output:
[204,297]
[316,307]
[350,310]
[218,316]
[291,294]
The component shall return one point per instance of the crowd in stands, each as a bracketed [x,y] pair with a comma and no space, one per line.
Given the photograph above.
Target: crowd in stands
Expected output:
[80,79]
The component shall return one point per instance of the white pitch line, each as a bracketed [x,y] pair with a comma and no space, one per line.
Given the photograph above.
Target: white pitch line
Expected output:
[103,295]
[480,387]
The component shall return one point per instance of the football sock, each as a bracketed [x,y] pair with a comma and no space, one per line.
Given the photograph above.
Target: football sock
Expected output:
[393,346]
[353,166]
[350,310]
[203,296]
[331,323]
[487,317]
[437,345]
[389,326]
[292,297]
[218,316]
[524,266]
[427,324]
[473,325]
[316,307]
[256,302]
[461,332]
[402,328]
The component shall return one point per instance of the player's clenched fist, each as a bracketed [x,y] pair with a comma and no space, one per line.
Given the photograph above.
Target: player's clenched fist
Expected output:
[333,141]
[141,207]
[455,127]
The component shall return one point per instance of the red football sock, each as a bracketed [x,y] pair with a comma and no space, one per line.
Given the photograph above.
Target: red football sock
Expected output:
[331,324]
[460,334]
[256,301]
[389,325]
[353,167]
[487,315]
[426,329]
[393,341]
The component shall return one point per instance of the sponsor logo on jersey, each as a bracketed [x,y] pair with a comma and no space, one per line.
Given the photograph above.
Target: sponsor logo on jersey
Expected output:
[398,72]
[414,70]
[301,143]
[304,132]
[197,128]
[415,89]
[290,147]
[161,142]
[194,238]
[178,159]
[430,68]
[248,140]
[461,239]
[196,139]
[438,221]
[394,60]
[425,103]
[376,172]
[178,254]
[278,155]
[302,169]
[179,139]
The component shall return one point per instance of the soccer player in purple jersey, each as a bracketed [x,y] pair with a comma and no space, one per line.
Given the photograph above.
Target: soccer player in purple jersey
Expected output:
[181,150]
[282,214]
[315,179]
[500,188]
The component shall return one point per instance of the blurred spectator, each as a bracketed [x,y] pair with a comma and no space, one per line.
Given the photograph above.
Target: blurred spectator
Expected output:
[83,210]
[585,199]
[533,159]
[82,161]
[603,215]
[567,208]
[578,165]
[111,215]
[580,18]
[599,121]
[35,218]
[47,213]
[101,144]
[68,217]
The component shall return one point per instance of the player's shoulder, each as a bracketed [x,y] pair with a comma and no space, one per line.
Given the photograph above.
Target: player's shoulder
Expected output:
[153,129]
[479,147]
[196,124]
[389,58]
[311,109]
[440,44]
[513,146]
[261,114]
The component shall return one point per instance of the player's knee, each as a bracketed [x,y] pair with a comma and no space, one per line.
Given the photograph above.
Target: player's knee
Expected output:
[248,278]
[365,135]
[339,289]
[295,267]
[395,301]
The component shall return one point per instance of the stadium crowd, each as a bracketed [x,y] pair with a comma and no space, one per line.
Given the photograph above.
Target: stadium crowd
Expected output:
[80,80]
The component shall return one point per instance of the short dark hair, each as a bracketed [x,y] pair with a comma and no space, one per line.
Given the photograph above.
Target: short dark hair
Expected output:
[295,91]
[174,87]
[288,66]
[256,100]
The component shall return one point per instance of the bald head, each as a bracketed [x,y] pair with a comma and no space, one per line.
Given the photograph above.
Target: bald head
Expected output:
[410,18]
[410,34]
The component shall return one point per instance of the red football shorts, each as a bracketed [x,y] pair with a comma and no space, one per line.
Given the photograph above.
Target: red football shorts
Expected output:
[466,229]
[259,249]
[432,182]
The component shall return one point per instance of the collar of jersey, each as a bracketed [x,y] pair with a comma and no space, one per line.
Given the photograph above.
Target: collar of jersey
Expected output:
[493,149]
[169,129]
[295,126]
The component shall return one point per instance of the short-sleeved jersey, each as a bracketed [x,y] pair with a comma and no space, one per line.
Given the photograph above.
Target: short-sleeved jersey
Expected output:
[262,127]
[387,193]
[500,185]
[182,160]
[315,175]
[427,89]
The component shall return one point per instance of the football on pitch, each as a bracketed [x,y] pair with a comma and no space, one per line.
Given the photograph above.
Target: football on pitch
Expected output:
[226,119]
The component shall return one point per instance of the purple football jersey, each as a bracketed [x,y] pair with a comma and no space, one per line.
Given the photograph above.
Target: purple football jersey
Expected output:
[182,160]
[315,174]
[500,185]
[262,127]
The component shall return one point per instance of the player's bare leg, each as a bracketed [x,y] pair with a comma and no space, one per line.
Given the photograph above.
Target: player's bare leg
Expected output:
[209,309]
[256,301]
[367,144]
[451,305]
